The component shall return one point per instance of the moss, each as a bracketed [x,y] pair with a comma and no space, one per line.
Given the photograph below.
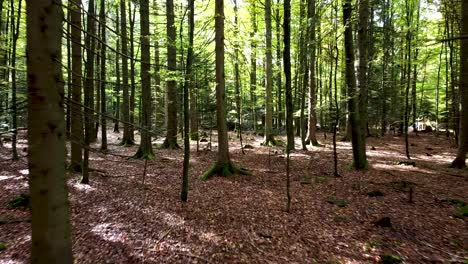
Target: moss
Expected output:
[127,143]
[390,259]
[462,211]
[22,201]
[224,170]
[2,246]
[337,202]
[375,193]
[321,179]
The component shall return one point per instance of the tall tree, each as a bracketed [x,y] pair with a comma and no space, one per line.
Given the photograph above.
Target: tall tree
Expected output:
[76,135]
[279,102]
[223,166]
[145,150]
[171,84]
[311,133]
[253,64]
[89,89]
[460,160]
[269,135]
[50,224]
[363,46]
[288,96]
[187,83]
[102,83]
[127,134]
[357,140]
[15,36]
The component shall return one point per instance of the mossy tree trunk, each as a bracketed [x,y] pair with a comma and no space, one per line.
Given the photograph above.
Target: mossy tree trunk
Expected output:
[50,224]
[269,135]
[223,165]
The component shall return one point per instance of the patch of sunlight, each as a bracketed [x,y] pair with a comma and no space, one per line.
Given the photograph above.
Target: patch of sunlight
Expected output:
[172,219]
[384,154]
[24,172]
[81,187]
[10,261]
[16,186]
[402,168]
[210,237]
[96,158]
[6,177]
[109,232]
[171,245]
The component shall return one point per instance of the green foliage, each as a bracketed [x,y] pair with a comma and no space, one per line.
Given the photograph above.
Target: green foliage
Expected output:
[22,201]
[390,259]
[338,202]
[2,246]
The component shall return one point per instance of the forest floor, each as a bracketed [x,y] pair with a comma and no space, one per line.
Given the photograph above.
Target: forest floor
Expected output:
[241,219]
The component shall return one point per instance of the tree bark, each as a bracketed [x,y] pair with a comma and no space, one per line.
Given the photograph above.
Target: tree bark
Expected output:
[311,133]
[269,135]
[102,19]
[171,84]
[460,160]
[76,136]
[145,151]
[50,224]
[357,140]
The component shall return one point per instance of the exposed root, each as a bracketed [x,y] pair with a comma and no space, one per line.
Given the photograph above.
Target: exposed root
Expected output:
[224,170]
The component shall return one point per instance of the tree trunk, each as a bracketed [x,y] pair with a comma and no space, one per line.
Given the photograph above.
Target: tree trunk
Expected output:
[253,66]
[223,166]
[13,76]
[311,133]
[145,151]
[288,88]
[89,89]
[363,46]
[117,76]
[279,111]
[460,160]
[76,136]
[188,80]
[171,84]
[357,140]
[102,82]
[269,135]
[131,17]
[50,224]
[127,134]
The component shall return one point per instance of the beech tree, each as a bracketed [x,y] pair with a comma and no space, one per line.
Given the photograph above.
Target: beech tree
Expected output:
[50,240]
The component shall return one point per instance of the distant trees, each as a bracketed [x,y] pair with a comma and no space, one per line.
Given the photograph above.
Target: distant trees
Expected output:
[50,240]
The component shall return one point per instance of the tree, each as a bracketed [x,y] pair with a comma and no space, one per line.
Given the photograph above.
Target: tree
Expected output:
[76,135]
[102,19]
[127,134]
[269,138]
[171,83]
[13,76]
[363,46]
[187,83]
[460,160]
[145,151]
[50,240]
[223,166]
[253,64]
[357,140]
[311,133]
[288,96]
[89,89]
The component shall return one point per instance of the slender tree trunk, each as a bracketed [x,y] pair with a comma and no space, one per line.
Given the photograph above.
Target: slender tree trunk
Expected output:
[13,76]
[50,224]
[363,37]
[102,82]
[69,74]
[269,136]
[127,134]
[131,17]
[76,136]
[357,140]
[289,103]
[188,80]
[117,76]
[278,68]
[171,84]
[253,66]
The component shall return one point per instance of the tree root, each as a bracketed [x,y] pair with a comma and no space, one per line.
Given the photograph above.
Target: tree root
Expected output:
[224,170]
